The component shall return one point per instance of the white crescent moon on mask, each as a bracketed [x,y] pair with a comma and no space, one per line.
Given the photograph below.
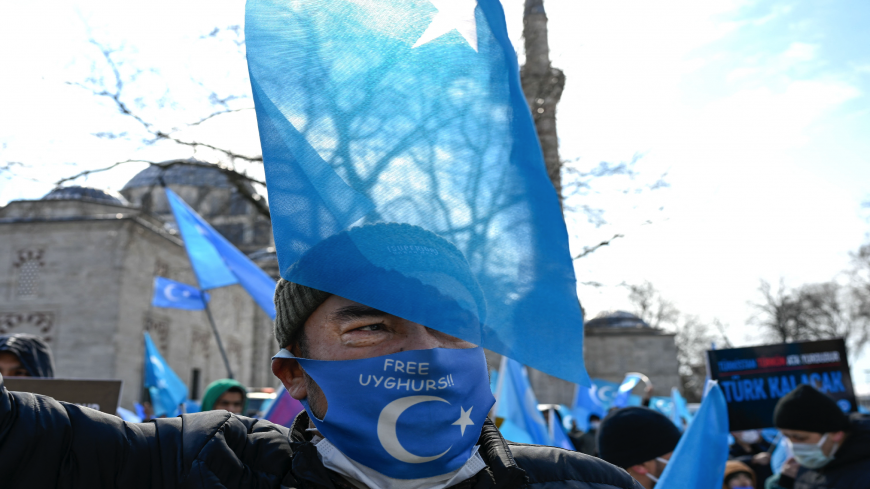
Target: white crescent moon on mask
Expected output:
[387,429]
[168,293]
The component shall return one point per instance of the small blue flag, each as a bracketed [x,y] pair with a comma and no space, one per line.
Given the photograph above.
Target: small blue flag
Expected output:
[680,410]
[127,415]
[624,392]
[176,295]
[412,112]
[216,261]
[557,433]
[780,453]
[166,389]
[523,423]
[593,400]
[699,459]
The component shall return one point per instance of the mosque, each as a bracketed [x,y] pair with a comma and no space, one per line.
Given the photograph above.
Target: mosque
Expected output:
[80,264]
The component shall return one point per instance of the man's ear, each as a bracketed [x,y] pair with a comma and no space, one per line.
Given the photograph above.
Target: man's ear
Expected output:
[637,469]
[838,436]
[290,373]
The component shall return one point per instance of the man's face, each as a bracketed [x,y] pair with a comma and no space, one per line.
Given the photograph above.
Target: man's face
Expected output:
[654,468]
[231,401]
[812,438]
[341,329]
[11,366]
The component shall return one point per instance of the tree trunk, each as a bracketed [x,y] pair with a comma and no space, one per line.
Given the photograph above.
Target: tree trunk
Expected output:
[542,86]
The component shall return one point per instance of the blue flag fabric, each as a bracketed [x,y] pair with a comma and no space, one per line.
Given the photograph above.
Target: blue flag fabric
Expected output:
[593,400]
[411,111]
[166,389]
[624,392]
[680,409]
[523,423]
[216,261]
[176,295]
[699,459]
[557,433]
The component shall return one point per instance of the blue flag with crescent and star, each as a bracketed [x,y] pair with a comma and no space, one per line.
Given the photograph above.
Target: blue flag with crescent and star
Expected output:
[215,261]
[593,400]
[176,295]
[412,112]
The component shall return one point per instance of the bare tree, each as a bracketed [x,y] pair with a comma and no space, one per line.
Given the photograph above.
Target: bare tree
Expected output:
[816,312]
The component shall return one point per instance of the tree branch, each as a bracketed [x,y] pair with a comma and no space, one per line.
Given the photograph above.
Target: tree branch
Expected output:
[589,249]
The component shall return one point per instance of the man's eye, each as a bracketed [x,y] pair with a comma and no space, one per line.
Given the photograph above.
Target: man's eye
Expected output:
[371,327]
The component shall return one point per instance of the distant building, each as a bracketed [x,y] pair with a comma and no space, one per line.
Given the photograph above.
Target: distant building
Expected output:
[615,343]
[78,270]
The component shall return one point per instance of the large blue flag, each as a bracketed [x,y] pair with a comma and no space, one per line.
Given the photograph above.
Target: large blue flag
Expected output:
[166,389]
[216,261]
[516,403]
[411,111]
[699,459]
[176,295]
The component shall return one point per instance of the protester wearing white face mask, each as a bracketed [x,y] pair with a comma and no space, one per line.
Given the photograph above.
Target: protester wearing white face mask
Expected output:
[832,448]
[751,449]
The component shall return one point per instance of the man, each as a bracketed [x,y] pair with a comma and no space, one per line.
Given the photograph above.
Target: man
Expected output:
[832,448]
[639,440]
[227,394]
[575,434]
[328,346]
[587,442]
[24,355]
[751,449]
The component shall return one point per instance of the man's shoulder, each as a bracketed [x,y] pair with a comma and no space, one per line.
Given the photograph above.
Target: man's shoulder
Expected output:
[545,465]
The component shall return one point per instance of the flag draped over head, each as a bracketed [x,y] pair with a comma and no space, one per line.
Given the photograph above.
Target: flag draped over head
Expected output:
[411,112]
[166,389]
[516,403]
[699,459]
[216,262]
[176,295]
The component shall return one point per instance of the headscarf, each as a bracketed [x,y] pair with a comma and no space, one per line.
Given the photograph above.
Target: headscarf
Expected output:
[217,388]
[32,352]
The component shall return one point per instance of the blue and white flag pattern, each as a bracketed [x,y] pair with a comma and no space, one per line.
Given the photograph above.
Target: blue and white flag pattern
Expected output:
[412,112]
[624,392]
[176,295]
[167,391]
[216,262]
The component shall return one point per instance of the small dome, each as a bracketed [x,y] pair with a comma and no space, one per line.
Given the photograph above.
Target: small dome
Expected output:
[616,319]
[76,192]
[196,176]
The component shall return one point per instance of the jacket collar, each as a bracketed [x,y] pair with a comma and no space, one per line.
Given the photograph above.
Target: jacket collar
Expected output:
[501,470]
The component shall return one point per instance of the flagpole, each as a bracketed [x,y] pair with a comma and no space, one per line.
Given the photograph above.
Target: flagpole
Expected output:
[217,337]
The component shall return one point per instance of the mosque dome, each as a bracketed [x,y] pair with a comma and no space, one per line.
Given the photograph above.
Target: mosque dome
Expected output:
[195,176]
[616,319]
[76,192]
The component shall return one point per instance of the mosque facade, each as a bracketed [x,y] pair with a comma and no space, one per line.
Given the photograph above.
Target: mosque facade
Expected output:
[80,265]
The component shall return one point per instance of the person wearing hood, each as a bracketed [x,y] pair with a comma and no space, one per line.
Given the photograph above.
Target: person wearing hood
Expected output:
[833,449]
[24,355]
[738,475]
[227,394]
[639,440]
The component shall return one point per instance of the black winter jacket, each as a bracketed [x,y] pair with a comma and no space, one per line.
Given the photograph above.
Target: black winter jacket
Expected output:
[850,468]
[45,444]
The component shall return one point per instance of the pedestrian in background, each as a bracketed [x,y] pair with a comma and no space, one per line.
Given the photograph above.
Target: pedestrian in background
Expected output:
[738,475]
[639,440]
[227,394]
[24,355]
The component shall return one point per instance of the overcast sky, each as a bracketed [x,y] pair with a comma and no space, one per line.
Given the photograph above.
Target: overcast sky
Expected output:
[757,112]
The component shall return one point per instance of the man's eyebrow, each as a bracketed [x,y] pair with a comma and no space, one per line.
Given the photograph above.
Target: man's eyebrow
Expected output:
[351,313]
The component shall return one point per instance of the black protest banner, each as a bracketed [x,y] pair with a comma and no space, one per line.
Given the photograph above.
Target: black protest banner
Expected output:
[753,379]
[102,395]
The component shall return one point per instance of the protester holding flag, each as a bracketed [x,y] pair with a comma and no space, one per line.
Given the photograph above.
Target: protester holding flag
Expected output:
[24,355]
[227,394]
[832,448]
[640,441]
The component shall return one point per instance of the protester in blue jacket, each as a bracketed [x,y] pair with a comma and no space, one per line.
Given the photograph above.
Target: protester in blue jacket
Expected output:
[390,402]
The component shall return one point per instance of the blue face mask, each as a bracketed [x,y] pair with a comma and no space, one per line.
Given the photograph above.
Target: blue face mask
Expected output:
[408,415]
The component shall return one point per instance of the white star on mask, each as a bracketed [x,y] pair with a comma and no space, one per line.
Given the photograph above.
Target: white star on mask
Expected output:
[464,419]
[452,14]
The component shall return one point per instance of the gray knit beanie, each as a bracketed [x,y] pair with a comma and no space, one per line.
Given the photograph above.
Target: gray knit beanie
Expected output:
[293,304]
